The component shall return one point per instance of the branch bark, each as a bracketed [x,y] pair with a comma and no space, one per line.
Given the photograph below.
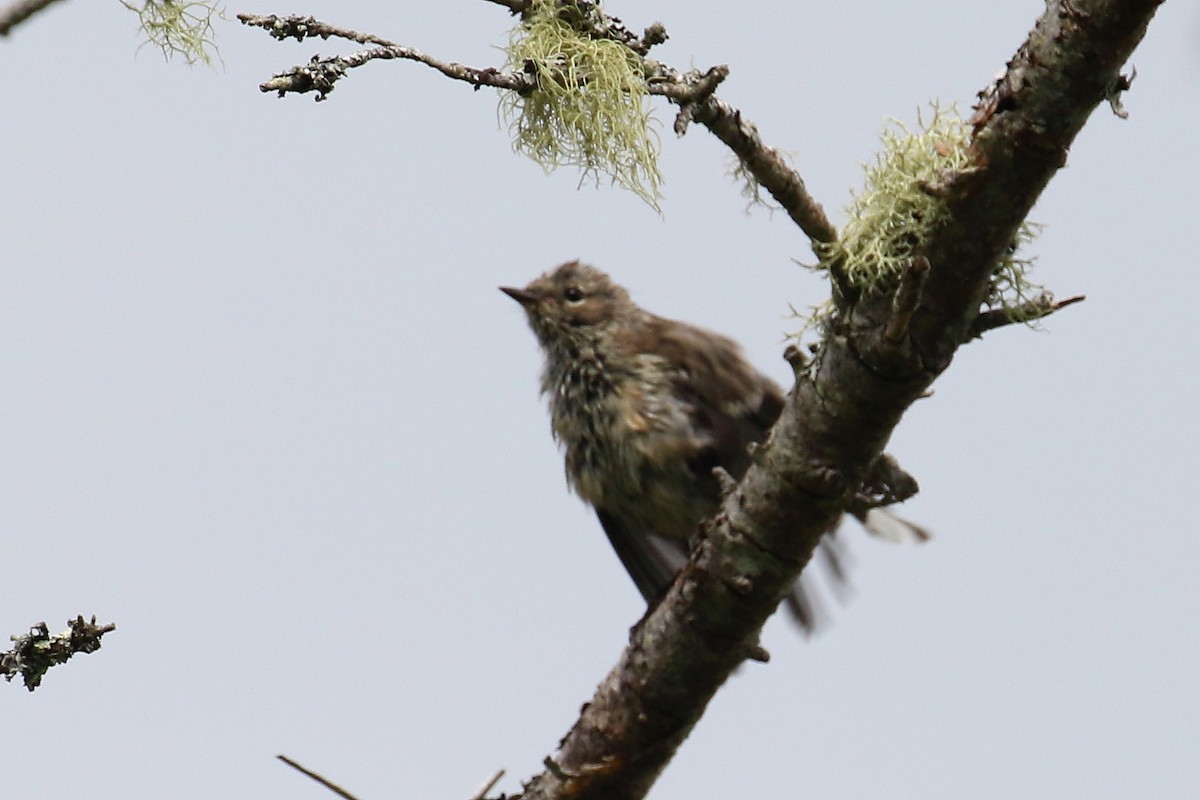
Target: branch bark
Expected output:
[34,653]
[841,412]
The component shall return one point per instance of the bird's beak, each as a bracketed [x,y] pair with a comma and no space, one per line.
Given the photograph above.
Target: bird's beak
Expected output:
[522,296]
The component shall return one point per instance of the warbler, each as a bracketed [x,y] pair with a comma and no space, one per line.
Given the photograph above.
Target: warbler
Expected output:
[645,409]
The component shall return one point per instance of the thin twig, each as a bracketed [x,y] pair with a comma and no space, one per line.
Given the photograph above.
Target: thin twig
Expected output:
[487,786]
[36,652]
[1043,306]
[300,28]
[693,92]
[768,166]
[333,787]
[320,74]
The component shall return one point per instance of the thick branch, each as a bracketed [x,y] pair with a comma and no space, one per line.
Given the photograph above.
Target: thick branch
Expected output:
[838,417]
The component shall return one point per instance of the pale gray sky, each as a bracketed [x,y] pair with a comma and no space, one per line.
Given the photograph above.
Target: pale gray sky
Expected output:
[266,410]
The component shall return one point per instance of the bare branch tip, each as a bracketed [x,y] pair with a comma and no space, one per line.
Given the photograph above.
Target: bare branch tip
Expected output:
[1040,308]
[333,787]
[759,653]
[488,785]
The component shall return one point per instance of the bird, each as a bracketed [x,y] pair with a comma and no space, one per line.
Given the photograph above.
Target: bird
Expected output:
[647,411]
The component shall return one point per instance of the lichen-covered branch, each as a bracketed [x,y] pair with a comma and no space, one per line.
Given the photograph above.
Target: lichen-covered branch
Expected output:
[692,91]
[36,652]
[588,108]
[301,28]
[320,74]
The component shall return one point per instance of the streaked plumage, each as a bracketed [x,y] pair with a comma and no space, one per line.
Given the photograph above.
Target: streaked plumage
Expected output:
[645,408]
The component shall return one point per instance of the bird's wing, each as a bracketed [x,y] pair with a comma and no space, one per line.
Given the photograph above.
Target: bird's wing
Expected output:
[653,562]
[885,525]
[650,560]
[732,404]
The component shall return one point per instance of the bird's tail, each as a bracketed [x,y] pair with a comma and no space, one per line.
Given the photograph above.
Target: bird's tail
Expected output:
[886,525]
[804,602]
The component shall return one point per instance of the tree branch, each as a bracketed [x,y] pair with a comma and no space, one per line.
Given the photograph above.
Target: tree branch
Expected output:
[300,28]
[881,352]
[328,784]
[840,414]
[320,74]
[15,14]
[692,91]
[34,653]
[1042,307]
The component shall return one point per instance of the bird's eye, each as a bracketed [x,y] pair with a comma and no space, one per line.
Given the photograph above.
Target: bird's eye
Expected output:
[572,294]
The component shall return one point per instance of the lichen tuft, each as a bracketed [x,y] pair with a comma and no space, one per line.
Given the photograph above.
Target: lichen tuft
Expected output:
[590,107]
[181,28]
[899,206]
[1011,288]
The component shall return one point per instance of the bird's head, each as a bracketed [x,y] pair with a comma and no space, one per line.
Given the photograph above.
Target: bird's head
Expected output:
[573,302]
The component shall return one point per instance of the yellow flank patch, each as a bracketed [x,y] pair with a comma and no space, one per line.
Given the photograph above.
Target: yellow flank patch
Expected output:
[629,413]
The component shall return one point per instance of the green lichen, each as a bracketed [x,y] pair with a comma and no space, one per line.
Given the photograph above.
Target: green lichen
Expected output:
[1011,288]
[891,219]
[751,190]
[183,29]
[589,108]
[901,204]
